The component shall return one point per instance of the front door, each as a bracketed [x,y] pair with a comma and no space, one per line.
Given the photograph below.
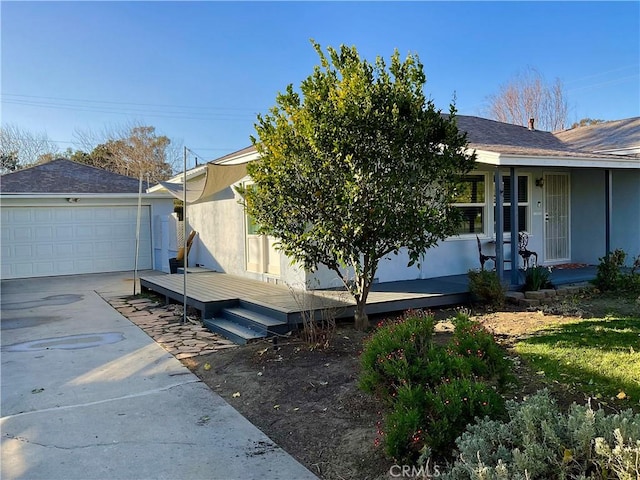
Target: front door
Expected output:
[556,217]
[262,257]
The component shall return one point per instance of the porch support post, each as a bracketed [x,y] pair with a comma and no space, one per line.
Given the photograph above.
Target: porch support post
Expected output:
[185,262]
[499,189]
[607,210]
[513,211]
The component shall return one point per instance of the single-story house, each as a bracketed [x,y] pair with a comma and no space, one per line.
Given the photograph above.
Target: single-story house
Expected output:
[578,196]
[63,217]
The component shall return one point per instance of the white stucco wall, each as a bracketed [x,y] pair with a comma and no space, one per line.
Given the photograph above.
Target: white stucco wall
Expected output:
[219,222]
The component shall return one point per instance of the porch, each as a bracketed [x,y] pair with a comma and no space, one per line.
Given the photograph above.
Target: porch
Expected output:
[242,309]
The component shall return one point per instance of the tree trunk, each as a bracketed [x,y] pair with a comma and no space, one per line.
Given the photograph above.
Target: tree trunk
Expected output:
[361,318]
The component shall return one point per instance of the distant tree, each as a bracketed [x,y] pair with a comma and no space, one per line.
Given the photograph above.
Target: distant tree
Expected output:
[356,166]
[20,148]
[9,162]
[586,122]
[528,95]
[134,150]
[48,157]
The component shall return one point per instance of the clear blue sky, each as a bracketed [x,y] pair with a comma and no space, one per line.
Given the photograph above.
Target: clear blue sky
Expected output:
[200,71]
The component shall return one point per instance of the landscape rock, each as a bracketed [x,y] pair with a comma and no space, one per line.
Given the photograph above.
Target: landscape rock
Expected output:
[164,326]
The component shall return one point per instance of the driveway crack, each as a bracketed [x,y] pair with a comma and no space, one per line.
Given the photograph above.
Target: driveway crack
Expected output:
[92,445]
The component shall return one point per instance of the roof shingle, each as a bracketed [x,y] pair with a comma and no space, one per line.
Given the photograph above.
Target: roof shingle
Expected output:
[606,136]
[508,139]
[66,176]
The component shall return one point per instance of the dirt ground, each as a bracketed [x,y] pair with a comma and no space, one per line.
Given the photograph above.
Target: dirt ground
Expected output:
[307,399]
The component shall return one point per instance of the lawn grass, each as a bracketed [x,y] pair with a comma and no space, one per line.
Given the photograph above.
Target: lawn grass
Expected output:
[600,356]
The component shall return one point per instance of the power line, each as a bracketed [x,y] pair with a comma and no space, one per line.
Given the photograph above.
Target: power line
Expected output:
[217,149]
[150,113]
[602,84]
[600,74]
[79,100]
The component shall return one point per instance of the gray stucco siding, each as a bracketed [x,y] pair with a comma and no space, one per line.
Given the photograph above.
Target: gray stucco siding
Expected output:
[588,227]
[625,228]
[587,215]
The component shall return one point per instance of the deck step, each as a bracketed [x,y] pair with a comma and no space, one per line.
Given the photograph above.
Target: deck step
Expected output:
[233,331]
[257,321]
[266,310]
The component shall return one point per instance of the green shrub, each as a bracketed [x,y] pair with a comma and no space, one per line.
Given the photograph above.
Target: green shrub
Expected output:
[432,391]
[536,278]
[540,442]
[473,341]
[433,418]
[609,271]
[453,406]
[403,353]
[397,352]
[486,288]
[611,276]
[405,423]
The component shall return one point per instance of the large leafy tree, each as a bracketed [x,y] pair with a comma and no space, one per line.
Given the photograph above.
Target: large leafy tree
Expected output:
[355,166]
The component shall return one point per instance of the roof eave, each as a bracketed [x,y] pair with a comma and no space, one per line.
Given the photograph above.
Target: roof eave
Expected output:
[194,173]
[191,174]
[159,195]
[513,160]
[241,158]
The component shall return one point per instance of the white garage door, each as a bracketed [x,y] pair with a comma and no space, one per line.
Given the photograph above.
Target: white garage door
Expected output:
[45,241]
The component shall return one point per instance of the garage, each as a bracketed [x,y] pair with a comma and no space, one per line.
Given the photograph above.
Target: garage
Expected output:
[64,240]
[66,218]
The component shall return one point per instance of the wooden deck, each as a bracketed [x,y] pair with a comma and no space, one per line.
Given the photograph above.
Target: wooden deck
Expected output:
[210,292]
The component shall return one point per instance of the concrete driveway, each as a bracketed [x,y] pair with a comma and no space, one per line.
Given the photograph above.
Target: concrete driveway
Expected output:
[88,395]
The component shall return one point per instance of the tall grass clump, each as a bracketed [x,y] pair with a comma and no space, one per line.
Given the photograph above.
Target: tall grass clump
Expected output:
[537,278]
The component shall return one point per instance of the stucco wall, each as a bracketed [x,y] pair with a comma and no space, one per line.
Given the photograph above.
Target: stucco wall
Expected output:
[221,241]
[220,222]
[587,215]
[625,228]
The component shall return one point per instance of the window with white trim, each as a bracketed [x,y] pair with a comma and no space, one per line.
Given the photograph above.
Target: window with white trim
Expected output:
[471,200]
[523,203]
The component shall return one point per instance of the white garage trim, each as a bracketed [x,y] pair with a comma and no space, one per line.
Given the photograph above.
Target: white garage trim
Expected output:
[39,241]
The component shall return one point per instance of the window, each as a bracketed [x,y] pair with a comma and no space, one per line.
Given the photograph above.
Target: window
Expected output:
[471,201]
[523,203]
[252,225]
